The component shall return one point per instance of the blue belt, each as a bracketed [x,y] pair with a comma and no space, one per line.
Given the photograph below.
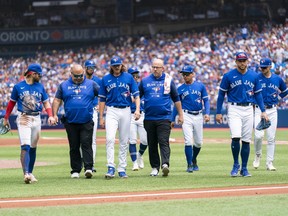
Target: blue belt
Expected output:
[241,104]
[193,112]
[120,107]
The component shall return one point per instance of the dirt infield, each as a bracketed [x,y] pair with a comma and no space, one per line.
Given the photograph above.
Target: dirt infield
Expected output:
[144,196]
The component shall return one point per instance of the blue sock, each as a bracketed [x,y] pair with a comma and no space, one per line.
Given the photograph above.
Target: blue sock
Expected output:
[245,151]
[133,152]
[235,147]
[142,148]
[25,158]
[196,151]
[32,154]
[189,154]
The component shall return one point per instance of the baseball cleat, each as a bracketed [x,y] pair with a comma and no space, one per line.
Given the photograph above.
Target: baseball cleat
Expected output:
[165,170]
[244,172]
[135,166]
[189,169]
[33,179]
[75,175]
[140,160]
[122,175]
[256,162]
[234,171]
[270,166]
[88,174]
[195,167]
[154,172]
[111,173]
[27,178]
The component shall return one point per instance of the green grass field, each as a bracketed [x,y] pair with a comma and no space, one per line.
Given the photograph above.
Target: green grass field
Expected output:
[215,162]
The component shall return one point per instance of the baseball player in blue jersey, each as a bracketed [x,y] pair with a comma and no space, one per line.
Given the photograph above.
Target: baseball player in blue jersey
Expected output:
[78,94]
[158,91]
[242,88]
[90,68]
[115,93]
[30,97]
[137,127]
[192,95]
[272,87]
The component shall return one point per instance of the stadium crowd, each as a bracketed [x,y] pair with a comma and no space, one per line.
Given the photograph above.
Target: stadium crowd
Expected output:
[211,53]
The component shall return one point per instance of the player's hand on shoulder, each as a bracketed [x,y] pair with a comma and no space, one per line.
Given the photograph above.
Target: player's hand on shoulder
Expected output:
[219,118]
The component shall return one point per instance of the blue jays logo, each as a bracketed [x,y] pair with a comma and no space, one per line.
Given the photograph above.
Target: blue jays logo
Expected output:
[250,93]
[274,95]
[115,59]
[198,100]
[77,91]
[126,94]
[241,55]
[156,89]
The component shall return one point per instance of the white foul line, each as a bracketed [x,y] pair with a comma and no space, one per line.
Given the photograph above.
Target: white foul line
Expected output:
[143,195]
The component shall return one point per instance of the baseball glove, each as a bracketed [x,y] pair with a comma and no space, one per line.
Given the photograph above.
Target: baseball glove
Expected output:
[4,128]
[263,124]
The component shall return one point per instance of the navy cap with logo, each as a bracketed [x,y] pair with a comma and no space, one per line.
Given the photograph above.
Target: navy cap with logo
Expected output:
[187,69]
[35,68]
[133,70]
[241,56]
[115,61]
[265,62]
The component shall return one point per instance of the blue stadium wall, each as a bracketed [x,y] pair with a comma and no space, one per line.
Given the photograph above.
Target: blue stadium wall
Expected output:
[282,121]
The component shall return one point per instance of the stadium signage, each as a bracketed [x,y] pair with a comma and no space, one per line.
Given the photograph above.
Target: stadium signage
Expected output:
[57,35]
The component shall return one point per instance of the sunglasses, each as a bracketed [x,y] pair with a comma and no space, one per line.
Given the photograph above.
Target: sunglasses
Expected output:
[263,68]
[186,74]
[90,68]
[78,76]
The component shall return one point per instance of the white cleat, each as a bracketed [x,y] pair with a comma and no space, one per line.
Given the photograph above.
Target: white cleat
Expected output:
[75,175]
[33,179]
[88,174]
[135,166]
[270,166]
[27,178]
[256,162]
[154,172]
[140,160]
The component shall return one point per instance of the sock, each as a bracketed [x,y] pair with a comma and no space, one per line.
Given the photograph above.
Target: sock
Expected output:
[245,151]
[196,151]
[189,154]
[25,158]
[142,148]
[133,152]
[32,154]
[235,147]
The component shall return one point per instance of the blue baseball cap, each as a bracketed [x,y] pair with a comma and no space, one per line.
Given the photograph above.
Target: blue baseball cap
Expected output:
[133,70]
[265,62]
[241,56]
[115,61]
[35,68]
[187,69]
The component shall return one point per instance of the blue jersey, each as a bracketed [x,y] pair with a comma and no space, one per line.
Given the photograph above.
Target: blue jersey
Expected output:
[192,95]
[240,88]
[157,105]
[78,99]
[271,87]
[133,105]
[29,97]
[98,81]
[117,91]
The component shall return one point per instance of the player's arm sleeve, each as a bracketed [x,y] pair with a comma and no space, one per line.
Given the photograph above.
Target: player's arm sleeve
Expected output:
[283,88]
[259,100]
[207,105]
[220,100]
[9,109]
[96,88]
[174,93]
[141,92]
[102,92]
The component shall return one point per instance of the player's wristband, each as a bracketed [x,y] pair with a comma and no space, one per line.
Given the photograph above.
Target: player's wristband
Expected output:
[49,112]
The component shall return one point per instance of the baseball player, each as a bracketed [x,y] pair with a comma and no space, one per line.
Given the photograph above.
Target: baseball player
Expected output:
[242,88]
[30,97]
[116,90]
[137,127]
[192,94]
[272,85]
[90,68]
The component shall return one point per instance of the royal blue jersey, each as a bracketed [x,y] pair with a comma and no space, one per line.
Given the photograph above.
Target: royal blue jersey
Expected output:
[271,87]
[133,105]
[78,99]
[240,88]
[98,81]
[192,95]
[157,105]
[117,91]
[29,97]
